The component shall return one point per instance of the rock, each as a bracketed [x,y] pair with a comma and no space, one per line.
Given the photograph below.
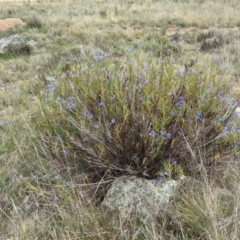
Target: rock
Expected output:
[137,195]
[12,43]
[16,43]
[237,111]
[31,44]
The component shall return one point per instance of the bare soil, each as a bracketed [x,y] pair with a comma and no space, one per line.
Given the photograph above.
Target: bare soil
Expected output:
[9,23]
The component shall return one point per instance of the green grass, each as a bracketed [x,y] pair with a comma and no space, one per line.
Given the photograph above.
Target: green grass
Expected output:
[43,193]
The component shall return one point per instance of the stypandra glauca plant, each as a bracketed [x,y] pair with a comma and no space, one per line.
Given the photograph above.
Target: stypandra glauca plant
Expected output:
[137,115]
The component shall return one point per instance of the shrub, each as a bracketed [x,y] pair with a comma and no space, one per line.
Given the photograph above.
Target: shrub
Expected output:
[34,22]
[135,116]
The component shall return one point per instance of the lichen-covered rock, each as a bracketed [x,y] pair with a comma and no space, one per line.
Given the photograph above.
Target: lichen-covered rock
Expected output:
[12,43]
[31,44]
[16,44]
[137,195]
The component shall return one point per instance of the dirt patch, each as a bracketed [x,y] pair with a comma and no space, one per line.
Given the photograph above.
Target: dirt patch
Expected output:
[9,23]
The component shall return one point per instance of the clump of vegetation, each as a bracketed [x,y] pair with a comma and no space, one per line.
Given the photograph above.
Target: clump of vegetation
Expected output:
[34,22]
[109,118]
[212,206]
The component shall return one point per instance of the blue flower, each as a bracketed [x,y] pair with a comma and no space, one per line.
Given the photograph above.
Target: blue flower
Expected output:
[84,69]
[101,104]
[65,151]
[69,183]
[97,58]
[113,121]
[141,98]
[70,99]
[174,42]
[221,119]
[135,155]
[146,69]
[56,177]
[118,75]
[219,95]
[154,182]
[69,58]
[87,114]
[144,81]
[96,126]
[180,102]
[58,138]
[130,50]
[152,133]
[50,87]
[81,174]
[216,59]
[161,177]
[198,116]
[71,106]
[210,85]
[3,123]
[225,129]
[169,135]
[63,101]
[56,198]
[181,72]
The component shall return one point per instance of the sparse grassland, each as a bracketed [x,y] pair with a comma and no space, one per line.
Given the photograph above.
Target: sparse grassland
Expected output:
[120,88]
